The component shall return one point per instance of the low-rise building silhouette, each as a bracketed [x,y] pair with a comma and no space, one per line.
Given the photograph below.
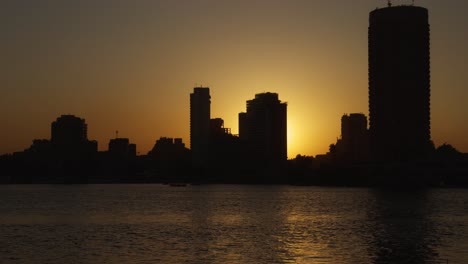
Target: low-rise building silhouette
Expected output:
[68,130]
[168,147]
[121,147]
[69,136]
[353,145]
[169,160]
[217,128]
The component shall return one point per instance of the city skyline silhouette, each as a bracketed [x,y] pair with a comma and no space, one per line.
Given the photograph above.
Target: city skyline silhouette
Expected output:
[44,83]
[233,131]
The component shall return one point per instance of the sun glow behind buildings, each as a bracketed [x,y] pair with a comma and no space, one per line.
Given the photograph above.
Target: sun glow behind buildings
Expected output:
[294,139]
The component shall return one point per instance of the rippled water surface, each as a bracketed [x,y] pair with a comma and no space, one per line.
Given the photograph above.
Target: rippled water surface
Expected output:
[230,224]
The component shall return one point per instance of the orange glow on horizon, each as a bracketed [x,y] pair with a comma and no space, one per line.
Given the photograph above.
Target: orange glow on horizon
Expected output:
[131,67]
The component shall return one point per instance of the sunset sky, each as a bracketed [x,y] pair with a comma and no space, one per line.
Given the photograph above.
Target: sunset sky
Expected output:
[130,65]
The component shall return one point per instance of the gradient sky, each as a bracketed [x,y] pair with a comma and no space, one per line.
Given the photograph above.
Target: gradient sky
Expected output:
[130,65]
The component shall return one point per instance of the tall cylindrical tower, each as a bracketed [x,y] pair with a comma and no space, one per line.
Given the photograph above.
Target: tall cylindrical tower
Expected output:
[399,83]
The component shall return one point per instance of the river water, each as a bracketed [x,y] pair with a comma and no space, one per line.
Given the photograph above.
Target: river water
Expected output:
[230,224]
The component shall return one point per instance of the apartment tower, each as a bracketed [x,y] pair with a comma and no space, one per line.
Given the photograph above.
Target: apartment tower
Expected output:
[200,102]
[399,83]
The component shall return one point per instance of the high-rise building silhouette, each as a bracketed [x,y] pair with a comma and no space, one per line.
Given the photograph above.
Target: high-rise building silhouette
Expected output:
[399,83]
[264,127]
[200,101]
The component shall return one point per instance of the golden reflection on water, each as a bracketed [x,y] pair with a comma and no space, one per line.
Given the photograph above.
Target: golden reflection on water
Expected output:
[304,239]
[230,224]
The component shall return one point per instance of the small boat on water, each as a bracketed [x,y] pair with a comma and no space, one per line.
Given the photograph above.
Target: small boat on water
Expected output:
[178,184]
